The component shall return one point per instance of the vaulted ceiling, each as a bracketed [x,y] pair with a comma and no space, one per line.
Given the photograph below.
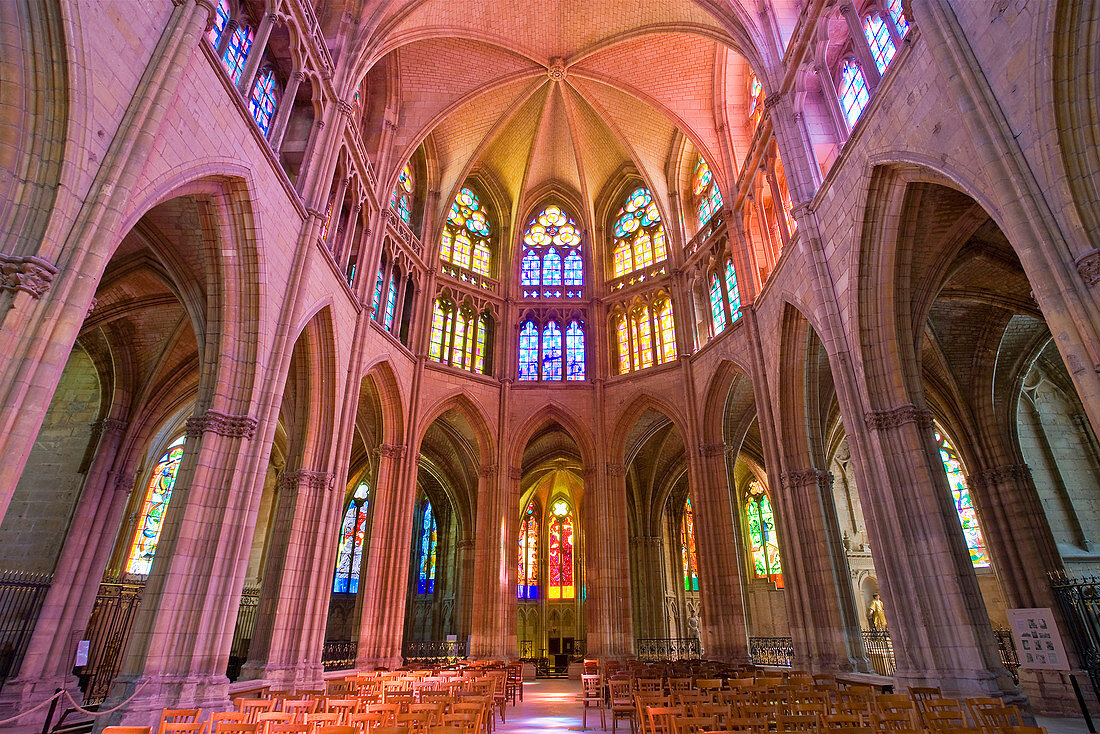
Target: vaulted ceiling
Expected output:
[570,96]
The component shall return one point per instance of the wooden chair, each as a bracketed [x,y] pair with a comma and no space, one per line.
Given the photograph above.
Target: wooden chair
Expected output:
[894,721]
[944,718]
[392,730]
[843,722]
[299,707]
[622,703]
[366,721]
[693,724]
[796,722]
[330,729]
[660,718]
[745,725]
[253,707]
[998,718]
[182,727]
[679,684]
[127,730]
[332,718]
[1014,730]
[291,727]
[229,726]
[592,698]
[649,685]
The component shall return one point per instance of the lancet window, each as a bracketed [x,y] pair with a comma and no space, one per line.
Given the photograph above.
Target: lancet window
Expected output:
[852,90]
[264,99]
[460,336]
[402,198]
[465,238]
[561,551]
[897,14]
[528,587]
[236,52]
[158,492]
[708,198]
[425,583]
[878,38]
[960,494]
[762,535]
[645,335]
[548,354]
[687,548]
[756,99]
[639,234]
[349,555]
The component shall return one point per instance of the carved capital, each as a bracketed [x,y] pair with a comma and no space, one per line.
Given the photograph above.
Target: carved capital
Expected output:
[772,100]
[883,420]
[515,473]
[223,424]
[1001,474]
[124,481]
[712,449]
[391,450]
[29,274]
[109,425]
[304,478]
[1088,266]
[615,470]
[345,108]
[807,477]
[91,307]
[646,541]
[487,470]
[801,209]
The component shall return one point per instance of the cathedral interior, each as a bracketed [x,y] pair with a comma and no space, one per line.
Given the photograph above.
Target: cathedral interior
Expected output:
[345,334]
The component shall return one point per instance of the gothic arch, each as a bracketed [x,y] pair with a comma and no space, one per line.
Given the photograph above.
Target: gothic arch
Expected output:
[630,415]
[461,402]
[549,413]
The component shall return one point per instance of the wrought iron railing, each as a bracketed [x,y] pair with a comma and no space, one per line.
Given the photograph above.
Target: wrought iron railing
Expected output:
[339,654]
[242,632]
[21,597]
[1079,600]
[580,650]
[879,649]
[434,651]
[1007,647]
[667,648]
[109,627]
[771,650]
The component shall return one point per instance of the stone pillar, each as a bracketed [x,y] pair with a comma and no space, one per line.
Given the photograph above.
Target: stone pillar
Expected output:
[384,575]
[859,42]
[297,582]
[646,561]
[490,579]
[179,646]
[255,55]
[938,622]
[823,619]
[607,568]
[48,661]
[722,629]
[286,105]
[510,569]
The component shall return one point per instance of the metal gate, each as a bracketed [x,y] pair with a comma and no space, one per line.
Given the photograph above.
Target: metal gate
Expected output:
[1079,600]
[21,597]
[109,628]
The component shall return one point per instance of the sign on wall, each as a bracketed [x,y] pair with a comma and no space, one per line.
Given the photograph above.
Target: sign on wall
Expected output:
[1038,644]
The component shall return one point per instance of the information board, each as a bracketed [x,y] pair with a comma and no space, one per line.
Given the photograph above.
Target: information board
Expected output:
[1038,644]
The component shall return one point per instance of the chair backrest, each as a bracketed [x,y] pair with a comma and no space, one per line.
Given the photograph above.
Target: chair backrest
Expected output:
[232,727]
[692,724]
[590,684]
[944,718]
[998,718]
[183,727]
[660,718]
[178,716]
[334,729]
[620,692]
[797,722]
[127,730]
[649,685]
[252,707]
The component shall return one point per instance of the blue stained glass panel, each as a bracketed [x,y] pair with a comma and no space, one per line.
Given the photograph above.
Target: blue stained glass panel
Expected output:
[426,583]
[574,270]
[551,352]
[551,267]
[574,340]
[529,352]
[531,265]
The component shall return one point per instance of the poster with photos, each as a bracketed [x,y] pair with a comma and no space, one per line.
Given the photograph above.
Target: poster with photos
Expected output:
[1038,644]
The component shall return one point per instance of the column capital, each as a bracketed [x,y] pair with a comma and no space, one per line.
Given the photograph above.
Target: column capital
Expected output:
[26,273]
[615,469]
[710,450]
[807,477]
[487,470]
[109,425]
[318,480]
[1000,474]
[223,424]
[891,418]
[1088,267]
[646,541]
[391,450]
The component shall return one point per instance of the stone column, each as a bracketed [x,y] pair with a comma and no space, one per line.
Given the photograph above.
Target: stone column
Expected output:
[490,578]
[607,568]
[286,105]
[646,561]
[48,661]
[384,575]
[859,41]
[722,629]
[512,517]
[255,55]
[297,581]
[938,622]
[824,622]
[179,646]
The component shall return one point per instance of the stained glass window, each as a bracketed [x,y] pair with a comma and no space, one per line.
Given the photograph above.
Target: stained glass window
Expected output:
[717,307]
[853,91]
[708,199]
[622,331]
[878,38]
[688,550]
[964,505]
[897,13]
[731,291]
[401,199]
[551,352]
[528,586]
[349,556]
[561,551]
[150,521]
[529,352]
[458,336]
[666,332]
[221,19]
[425,584]
[391,304]
[378,289]
[552,256]
[765,542]
[639,234]
[465,239]
[264,99]
[643,338]
[574,340]
[240,43]
[756,99]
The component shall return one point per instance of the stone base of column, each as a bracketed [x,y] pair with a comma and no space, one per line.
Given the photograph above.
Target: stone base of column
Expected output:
[285,678]
[373,662]
[961,683]
[1051,692]
[152,694]
[23,694]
